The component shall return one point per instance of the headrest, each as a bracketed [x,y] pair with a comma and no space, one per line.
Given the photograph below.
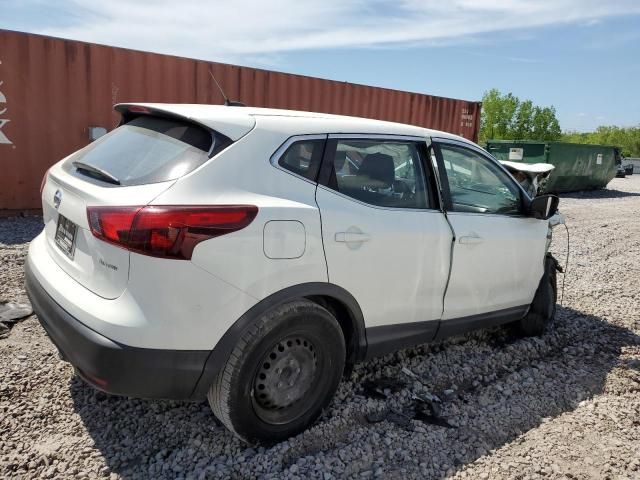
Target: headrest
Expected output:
[378,166]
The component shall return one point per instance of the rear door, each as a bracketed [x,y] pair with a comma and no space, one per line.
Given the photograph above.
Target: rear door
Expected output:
[385,240]
[498,254]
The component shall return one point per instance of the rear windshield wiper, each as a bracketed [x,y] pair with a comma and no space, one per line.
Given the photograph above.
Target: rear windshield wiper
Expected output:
[95,171]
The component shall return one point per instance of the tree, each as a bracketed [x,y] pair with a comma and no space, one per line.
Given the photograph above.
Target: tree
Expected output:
[523,123]
[628,138]
[491,112]
[545,124]
[506,117]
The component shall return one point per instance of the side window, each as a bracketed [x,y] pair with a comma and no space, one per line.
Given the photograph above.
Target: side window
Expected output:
[379,172]
[476,184]
[303,158]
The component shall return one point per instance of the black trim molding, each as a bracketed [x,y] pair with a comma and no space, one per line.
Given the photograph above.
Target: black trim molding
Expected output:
[390,338]
[456,326]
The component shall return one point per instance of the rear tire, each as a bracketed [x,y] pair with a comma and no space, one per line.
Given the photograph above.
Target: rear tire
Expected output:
[284,370]
[543,307]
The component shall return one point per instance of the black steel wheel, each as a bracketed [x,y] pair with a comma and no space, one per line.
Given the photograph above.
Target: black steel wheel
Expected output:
[283,372]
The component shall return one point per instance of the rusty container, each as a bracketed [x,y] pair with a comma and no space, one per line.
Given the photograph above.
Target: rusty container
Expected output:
[52,91]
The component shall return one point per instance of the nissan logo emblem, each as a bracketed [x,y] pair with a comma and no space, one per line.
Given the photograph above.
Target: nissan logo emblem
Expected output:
[57,199]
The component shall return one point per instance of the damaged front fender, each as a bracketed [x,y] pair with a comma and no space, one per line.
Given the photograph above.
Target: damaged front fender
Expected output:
[530,175]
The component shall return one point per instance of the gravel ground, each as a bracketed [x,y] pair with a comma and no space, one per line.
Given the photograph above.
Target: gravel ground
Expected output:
[566,405]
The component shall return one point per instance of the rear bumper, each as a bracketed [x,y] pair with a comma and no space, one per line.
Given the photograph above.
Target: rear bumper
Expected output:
[111,366]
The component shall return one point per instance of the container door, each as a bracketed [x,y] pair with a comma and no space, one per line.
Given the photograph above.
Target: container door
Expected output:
[498,253]
[384,241]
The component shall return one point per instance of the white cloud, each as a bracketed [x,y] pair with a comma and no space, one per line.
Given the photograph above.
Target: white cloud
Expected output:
[249,28]
[592,22]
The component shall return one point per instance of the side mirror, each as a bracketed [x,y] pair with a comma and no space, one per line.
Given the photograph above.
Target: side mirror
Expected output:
[544,207]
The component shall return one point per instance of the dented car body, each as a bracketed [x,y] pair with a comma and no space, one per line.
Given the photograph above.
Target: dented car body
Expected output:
[248,255]
[530,175]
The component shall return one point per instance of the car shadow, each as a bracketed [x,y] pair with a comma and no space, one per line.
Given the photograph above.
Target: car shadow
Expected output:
[502,390]
[599,194]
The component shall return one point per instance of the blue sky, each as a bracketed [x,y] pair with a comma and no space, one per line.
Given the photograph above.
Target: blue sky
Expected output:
[582,56]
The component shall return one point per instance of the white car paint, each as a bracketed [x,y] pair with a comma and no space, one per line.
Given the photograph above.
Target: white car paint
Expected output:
[92,256]
[178,307]
[497,263]
[393,261]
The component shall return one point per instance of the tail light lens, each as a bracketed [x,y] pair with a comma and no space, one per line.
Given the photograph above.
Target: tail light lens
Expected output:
[167,231]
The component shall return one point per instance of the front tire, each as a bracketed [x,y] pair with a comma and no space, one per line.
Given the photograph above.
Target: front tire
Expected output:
[284,370]
[543,307]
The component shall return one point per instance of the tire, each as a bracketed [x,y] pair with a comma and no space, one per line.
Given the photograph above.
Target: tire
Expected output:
[543,307]
[283,372]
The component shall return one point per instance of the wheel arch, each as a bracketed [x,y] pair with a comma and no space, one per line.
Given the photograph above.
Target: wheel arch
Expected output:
[332,297]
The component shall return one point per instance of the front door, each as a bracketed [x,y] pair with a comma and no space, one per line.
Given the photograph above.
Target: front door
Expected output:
[385,240]
[498,254]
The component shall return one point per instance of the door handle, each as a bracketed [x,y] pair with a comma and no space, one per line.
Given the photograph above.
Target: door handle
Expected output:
[352,237]
[470,239]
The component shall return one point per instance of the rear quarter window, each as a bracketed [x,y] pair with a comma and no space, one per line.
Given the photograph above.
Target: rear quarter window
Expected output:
[303,158]
[149,149]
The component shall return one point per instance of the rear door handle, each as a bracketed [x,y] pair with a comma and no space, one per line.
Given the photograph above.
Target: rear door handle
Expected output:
[352,237]
[470,239]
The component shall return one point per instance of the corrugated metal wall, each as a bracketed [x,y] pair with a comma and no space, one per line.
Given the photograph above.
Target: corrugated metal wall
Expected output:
[52,90]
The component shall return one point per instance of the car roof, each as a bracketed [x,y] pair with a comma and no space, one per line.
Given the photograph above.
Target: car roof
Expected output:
[235,122]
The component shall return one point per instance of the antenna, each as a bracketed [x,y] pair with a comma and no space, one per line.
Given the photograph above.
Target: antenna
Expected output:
[227,102]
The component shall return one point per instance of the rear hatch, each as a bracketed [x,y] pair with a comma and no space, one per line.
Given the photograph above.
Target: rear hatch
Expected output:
[130,166]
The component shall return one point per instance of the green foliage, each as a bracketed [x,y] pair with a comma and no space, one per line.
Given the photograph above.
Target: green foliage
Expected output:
[545,124]
[523,123]
[628,138]
[506,117]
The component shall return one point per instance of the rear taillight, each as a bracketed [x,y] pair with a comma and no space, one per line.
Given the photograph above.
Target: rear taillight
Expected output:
[167,231]
[44,180]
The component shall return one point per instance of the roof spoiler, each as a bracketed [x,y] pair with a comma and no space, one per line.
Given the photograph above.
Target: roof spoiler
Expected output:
[131,110]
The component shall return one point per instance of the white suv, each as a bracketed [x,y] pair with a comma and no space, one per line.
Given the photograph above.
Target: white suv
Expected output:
[251,255]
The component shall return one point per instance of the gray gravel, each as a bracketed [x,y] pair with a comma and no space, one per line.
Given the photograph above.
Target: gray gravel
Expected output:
[566,405]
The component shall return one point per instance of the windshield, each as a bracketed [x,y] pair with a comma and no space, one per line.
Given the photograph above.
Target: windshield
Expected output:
[145,150]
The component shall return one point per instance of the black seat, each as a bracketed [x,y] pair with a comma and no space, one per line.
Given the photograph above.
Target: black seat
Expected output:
[372,181]
[380,168]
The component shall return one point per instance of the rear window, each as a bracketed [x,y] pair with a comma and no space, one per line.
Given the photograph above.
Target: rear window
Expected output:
[147,150]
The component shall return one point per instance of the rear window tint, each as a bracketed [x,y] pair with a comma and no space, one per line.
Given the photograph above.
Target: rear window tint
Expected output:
[149,150]
[189,133]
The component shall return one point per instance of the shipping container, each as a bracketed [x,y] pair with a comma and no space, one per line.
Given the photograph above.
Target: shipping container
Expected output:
[578,166]
[53,91]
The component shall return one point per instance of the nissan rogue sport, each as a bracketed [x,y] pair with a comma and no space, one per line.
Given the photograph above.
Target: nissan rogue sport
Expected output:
[251,255]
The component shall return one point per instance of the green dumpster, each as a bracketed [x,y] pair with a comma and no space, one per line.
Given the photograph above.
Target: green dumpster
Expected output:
[578,166]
